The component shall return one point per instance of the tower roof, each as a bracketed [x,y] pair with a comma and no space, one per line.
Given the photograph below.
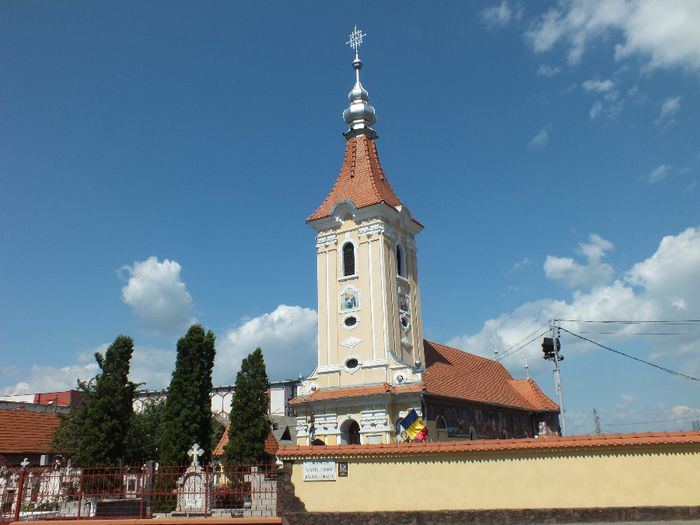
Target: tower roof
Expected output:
[361,179]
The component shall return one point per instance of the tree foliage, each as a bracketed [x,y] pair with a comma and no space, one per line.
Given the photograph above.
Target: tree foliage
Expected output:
[145,433]
[187,413]
[249,421]
[94,433]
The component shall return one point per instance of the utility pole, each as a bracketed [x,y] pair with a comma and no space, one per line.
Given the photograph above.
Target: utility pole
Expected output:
[554,327]
[596,420]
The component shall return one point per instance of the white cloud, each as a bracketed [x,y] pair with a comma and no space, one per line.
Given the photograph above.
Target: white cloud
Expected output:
[287,336]
[574,274]
[542,137]
[498,16]
[598,86]
[547,71]
[148,365]
[39,378]
[662,33]
[668,111]
[596,110]
[157,295]
[651,289]
[658,174]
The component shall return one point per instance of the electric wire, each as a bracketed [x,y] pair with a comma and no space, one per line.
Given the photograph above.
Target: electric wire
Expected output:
[664,369]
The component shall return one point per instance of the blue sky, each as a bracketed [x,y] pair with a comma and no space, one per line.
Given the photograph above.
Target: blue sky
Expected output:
[158,161]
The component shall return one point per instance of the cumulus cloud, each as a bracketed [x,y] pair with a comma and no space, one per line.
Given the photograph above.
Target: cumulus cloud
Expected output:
[662,33]
[287,336]
[499,15]
[542,137]
[157,295]
[574,274]
[651,289]
[668,111]
[150,366]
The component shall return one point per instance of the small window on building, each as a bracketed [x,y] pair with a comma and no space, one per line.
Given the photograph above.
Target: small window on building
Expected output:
[400,266]
[348,259]
[350,320]
[286,435]
[352,363]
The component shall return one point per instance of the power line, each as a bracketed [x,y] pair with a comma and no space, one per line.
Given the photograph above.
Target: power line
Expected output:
[667,370]
[657,321]
[649,422]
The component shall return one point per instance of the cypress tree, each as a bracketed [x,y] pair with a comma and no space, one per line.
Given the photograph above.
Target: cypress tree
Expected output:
[187,415]
[95,432]
[249,421]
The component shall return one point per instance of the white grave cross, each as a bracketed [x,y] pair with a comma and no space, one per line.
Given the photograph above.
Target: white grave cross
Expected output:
[195,453]
[25,463]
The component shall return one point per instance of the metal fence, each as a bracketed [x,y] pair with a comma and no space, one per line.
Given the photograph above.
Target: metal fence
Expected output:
[144,491]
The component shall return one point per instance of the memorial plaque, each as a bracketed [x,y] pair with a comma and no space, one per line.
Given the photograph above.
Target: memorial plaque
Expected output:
[320,470]
[342,469]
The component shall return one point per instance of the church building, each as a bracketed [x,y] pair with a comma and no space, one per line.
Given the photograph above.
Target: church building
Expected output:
[373,365]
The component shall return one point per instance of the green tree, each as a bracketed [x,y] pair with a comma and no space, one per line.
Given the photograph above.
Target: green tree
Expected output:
[187,414]
[249,421]
[94,434]
[145,433]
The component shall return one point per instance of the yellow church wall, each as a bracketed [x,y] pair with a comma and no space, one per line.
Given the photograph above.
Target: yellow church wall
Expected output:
[620,477]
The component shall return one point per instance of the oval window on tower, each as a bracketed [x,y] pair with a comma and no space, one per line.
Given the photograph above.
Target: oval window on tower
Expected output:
[350,321]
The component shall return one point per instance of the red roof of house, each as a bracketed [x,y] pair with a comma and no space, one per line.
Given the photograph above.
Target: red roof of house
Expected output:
[453,373]
[569,442]
[24,431]
[356,391]
[361,179]
[66,399]
[271,444]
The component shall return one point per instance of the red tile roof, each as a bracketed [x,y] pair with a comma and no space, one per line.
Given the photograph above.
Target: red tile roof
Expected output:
[361,179]
[530,390]
[456,374]
[25,431]
[356,391]
[407,449]
[271,444]
[453,373]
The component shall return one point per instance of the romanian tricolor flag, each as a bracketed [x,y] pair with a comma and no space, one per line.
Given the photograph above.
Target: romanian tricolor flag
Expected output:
[414,426]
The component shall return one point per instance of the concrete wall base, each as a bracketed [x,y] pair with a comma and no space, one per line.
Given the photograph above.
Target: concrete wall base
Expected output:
[494,517]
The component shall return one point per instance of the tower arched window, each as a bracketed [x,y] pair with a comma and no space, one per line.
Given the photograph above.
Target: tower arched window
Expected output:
[400,263]
[348,259]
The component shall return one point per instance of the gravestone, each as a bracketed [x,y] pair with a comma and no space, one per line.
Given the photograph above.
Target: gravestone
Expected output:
[194,488]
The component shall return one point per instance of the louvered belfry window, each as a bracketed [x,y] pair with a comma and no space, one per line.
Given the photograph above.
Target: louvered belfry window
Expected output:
[348,259]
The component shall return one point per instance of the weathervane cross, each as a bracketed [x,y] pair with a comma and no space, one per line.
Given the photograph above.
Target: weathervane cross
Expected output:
[195,452]
[356,39]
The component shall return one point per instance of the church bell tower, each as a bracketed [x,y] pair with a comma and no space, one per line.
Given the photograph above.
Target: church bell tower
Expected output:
[369,310]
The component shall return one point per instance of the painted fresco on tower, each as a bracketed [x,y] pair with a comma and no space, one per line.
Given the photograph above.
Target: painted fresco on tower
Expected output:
[349,299]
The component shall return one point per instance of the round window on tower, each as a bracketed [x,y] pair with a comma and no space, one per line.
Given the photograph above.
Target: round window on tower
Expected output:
[352,363]
[350,321]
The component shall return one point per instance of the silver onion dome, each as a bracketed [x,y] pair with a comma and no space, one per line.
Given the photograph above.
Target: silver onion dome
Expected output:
[359,115]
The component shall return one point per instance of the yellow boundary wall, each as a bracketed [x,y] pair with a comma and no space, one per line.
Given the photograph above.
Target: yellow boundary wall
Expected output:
[632,475]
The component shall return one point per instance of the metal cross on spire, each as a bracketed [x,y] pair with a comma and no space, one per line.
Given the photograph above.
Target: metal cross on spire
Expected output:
[356,39]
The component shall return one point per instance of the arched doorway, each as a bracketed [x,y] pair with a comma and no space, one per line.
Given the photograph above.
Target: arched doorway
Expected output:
[350,432]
